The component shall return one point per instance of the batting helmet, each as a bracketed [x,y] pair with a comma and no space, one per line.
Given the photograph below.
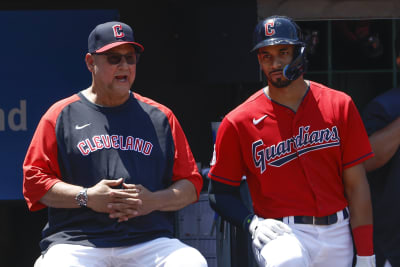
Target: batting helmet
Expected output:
[276,30]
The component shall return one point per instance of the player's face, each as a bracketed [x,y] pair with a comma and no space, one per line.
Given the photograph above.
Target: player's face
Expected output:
[272,60]
[115,69]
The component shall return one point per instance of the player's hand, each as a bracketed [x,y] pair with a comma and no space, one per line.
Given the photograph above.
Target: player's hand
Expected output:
[264,230]
[101,194]
[140,202]
[365,261]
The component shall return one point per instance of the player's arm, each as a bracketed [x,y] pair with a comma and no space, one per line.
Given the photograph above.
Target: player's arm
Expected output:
[63,195]
[142,201]
[177,196]
[227,202]
[356,187]
[384,142]
[358,195]
[131,201]
[40,166]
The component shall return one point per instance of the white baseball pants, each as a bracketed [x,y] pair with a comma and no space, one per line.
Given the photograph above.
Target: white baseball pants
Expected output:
[310,246]
[161,252]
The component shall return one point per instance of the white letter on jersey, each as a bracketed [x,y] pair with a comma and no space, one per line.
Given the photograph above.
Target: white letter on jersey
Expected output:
[258,156]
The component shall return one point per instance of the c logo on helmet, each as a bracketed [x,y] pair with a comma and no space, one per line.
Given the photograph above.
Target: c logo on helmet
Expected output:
[269,28]
[118,32]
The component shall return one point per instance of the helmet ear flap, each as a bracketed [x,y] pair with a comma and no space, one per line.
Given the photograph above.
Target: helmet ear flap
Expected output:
[298,66]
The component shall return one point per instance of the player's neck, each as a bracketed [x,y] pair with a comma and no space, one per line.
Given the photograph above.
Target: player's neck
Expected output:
[104,98]
[290,96]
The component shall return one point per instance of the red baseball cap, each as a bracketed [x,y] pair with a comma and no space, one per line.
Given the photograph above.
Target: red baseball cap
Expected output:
[111,34]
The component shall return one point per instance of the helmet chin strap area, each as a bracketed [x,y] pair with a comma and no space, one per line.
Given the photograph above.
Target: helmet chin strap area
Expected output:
[297,67]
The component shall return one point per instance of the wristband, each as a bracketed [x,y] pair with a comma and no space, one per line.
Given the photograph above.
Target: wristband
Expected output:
[363,236]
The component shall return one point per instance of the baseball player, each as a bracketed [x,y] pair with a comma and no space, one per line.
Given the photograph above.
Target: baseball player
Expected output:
[111,166]
[300,145]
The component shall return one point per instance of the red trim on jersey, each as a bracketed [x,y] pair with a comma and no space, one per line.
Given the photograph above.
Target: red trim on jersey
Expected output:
[184,164]
[40,167]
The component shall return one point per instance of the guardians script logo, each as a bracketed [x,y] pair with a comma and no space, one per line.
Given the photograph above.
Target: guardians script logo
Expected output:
[291,148]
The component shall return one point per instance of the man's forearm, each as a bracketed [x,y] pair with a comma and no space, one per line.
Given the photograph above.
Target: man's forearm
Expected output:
[177,196]
[358,195]
[61,195]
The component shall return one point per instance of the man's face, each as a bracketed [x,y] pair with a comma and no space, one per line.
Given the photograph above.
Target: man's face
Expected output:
[272,60]
[113,72]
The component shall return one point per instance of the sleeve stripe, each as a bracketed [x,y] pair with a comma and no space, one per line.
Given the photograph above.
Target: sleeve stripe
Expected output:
[363,158]
[225,179]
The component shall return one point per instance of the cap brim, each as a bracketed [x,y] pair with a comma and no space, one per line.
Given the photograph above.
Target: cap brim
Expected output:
[277,41]
[138,46]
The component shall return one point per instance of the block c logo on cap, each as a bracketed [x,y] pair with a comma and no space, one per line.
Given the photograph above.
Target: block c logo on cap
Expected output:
[269,28]
[118,32]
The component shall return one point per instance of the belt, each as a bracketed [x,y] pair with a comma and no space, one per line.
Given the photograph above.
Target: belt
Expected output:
[326,220]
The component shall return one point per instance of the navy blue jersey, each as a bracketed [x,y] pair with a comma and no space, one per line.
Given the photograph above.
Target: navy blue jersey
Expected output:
[385,181]
[81,143]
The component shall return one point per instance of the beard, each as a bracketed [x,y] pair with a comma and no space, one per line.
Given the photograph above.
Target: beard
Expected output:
[279,83]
